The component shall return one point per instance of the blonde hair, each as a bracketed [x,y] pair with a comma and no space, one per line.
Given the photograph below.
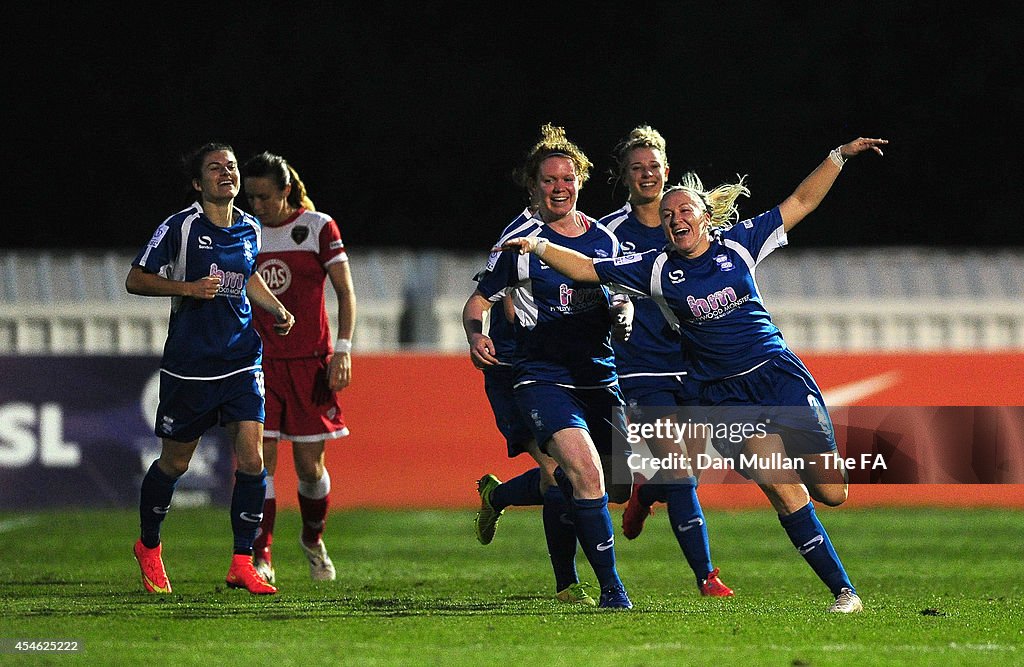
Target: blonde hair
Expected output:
[642,136]
[552,142]
[719,202]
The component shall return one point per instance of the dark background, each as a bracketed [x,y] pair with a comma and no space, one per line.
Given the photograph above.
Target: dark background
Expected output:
[405,121]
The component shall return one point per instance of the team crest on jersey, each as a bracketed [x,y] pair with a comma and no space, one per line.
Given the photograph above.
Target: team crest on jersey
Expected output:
[299,234]
[723,262]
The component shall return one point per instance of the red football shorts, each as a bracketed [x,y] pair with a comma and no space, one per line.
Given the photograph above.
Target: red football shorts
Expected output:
[300,407]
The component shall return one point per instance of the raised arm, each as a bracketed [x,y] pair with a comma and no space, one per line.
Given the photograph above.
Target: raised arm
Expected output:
[258,292]
[566,261]
[812,190]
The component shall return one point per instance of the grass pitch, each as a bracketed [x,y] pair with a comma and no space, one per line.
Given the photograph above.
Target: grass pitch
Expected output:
[940,587]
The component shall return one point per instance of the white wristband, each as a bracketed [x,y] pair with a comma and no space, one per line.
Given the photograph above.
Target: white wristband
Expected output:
[540,247]
[343,346]
[837,157]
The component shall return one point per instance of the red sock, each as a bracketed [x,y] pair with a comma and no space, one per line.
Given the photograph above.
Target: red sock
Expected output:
[314,516]
[265,535]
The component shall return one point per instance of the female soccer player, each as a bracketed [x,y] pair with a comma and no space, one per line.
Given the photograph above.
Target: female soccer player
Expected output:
[652,371]
[536,486]
[704,285]
[565,383]
[301,250]
[204,258]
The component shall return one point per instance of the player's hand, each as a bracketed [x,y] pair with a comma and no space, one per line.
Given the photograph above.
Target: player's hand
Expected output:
[622,329]
[621,314]
[861,144]
[481,351]
[204,288]
[521,245]
[339,371]
[283,322]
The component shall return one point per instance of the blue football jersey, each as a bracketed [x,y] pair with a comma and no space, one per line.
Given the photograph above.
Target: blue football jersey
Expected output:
[712,300]
[562,328]
[654,348]
[207,339]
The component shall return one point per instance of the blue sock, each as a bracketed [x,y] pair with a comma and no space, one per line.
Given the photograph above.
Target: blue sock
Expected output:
[247,508]
[154,503]
[687,519]
[594,531]
[566,486]
[811,540]
[560,534]
[521,490]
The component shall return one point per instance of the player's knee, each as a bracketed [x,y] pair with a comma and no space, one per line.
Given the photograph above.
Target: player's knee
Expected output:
[832,495]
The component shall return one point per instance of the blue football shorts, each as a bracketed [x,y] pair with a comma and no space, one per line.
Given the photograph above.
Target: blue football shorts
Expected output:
[781,396]
[188,408]
[507,416]
[549,408]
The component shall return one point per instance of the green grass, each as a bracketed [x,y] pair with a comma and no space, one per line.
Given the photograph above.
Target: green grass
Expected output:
[941,587]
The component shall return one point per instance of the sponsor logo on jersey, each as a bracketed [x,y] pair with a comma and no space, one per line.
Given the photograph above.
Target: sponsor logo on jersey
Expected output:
[676,276]
[723,263]
[600,253]
[627,259]
[627,246]
[335,245]
[605,546]
[205,242]
[277,275]
[231,283]
[247,249]
[715,305]
[577,297]
[158,236]
[300,233]
[492,259]
[749,224]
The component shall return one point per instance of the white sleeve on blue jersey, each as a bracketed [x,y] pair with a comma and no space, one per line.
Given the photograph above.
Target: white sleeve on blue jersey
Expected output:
[756,238]
[629,273]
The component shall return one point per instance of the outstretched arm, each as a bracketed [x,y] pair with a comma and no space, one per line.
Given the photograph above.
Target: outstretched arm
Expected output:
[812,190]
[566,261]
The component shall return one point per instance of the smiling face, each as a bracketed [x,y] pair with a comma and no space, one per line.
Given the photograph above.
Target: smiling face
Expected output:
[685,222]
[555,190]
[219,177]
[644,173]
[268,202]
